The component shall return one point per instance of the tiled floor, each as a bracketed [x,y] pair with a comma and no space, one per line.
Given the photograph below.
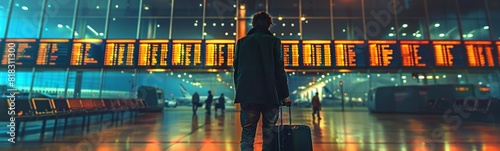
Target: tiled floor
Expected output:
[178,130]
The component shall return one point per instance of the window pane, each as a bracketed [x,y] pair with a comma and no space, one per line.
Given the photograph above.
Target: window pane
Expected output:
[317,29]
[284,8]
[405,9]
[286,28]
[152,28]
[473,20]
[187,28]
[193,8]
[25,19]
[4,9]
[58,21]
[123,19]
[442,9]
[221,8]
[385,79]
[411,20]
[380,22]
[254,6]
[118,84]
[475,29]
[91,19]
[50,82]
[494,7]
[316,8]
[412,29]
[347,8]
[472,9]
[348,29]
[444,29]
[155,19]
[220,28]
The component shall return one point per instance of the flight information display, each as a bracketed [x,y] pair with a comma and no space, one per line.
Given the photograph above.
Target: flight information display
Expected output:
[290,52]
[449,53]
[153,53]
[350,53]
[26,51]
[186,53]
[498,53]
[416,53]
[54,52]
[217,51]
[317,53]
[480,53]
[382,53]
[87,52]
[119,53]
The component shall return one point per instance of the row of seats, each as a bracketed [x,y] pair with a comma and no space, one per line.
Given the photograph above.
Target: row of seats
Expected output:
[43,109]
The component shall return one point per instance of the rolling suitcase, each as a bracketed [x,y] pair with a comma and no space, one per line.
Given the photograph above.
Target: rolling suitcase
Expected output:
[292,137]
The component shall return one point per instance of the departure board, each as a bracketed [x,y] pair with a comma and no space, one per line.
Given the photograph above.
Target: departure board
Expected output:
[119,53]
[87,52]
[382,53]
[153,52]
[498,53]
[216,52]
[317,53]
[350,53]
[479,53]
[416,53]
[54,52]
[186,52]
[290,50]
[449,54]
[26,51]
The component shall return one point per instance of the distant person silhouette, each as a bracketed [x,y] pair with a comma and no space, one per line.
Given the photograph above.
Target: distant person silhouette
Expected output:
[221,104]
[209,101]
[260,82]
[195,101]
[316,106]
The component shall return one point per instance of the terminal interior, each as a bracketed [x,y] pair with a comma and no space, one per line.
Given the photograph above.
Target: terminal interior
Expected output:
[390,74]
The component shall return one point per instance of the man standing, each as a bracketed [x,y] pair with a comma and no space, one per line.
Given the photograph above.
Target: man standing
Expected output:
[208,101]
[260,81]
[316,106]
[195,101]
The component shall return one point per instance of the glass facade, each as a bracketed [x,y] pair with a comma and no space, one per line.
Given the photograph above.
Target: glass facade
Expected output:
[297,19]
[220,19]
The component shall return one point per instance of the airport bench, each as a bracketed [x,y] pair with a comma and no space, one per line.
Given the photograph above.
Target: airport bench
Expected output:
[43,109]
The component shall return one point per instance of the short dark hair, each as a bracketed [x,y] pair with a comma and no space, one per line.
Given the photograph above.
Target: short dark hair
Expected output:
[262,20]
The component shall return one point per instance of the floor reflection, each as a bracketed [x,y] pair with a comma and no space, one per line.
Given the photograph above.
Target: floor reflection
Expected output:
[180,129]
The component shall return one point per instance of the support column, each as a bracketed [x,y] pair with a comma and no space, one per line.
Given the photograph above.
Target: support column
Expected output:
[78,84]
[33,73]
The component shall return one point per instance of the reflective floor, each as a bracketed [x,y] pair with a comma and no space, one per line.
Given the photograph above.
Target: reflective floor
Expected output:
[178,130]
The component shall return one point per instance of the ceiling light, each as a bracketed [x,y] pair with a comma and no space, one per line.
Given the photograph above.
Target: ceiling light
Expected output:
[24,8]
[437,25]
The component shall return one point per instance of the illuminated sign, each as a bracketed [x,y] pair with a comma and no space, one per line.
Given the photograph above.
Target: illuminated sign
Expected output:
[87,52]
[119,53]
[381,53]
[26,51]
[290,52]
[498,53]
[217,51]
[316,53]
[350,53]
[448,53]
[186,52]
[54,52]
[480,53]
[416,53]
[153,53]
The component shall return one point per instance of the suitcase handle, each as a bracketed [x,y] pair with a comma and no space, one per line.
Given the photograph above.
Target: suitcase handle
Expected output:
[280,128]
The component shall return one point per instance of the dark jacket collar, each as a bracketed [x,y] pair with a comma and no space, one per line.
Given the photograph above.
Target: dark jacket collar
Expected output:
[259,30]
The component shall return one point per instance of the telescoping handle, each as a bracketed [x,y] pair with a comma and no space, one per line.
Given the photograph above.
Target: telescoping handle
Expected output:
[289,113]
